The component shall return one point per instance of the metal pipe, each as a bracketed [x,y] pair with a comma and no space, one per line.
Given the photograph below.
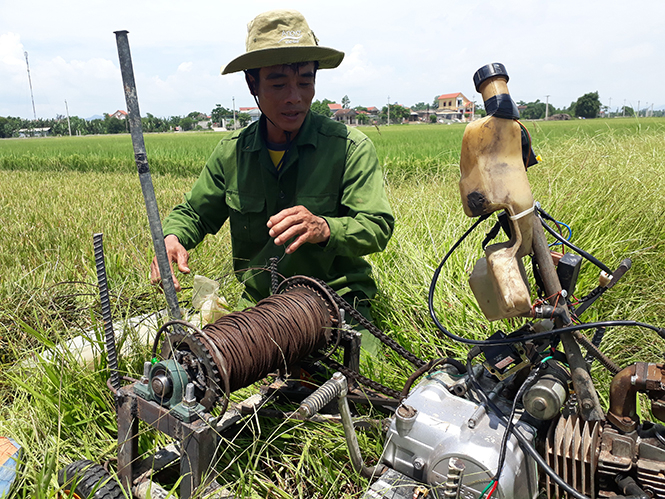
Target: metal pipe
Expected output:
[109,335]
[351,438]
[337,386]
[590,408]
[136,130]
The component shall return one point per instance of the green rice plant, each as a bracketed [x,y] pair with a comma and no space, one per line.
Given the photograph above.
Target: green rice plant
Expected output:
[604,178]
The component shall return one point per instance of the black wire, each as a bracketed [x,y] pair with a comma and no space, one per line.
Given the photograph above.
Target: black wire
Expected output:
[564,241]
[525,445]
[516,339]
[504,441]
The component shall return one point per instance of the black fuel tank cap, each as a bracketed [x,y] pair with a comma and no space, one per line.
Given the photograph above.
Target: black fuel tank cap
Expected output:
[489,71]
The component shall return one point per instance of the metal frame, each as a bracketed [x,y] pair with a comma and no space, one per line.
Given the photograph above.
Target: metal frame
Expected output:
[198,441]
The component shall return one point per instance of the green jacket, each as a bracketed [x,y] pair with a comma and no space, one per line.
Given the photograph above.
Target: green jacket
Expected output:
[330,169]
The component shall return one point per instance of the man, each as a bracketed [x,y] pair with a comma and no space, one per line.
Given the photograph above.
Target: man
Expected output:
[294,185]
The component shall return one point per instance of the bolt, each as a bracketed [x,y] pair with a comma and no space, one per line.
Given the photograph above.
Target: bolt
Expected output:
[587,404]
[146,372]
[418,463]
[338,376]
[190,398]
[539,404]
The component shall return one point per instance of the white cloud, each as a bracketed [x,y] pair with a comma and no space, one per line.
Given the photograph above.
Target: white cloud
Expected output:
[185,67]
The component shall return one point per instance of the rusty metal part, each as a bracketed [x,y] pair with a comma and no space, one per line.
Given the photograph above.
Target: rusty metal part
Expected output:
[589,406]
[571,450]
[357,316]
[324,291]
[617,452]
[643,377]
[190,352]
[136,131]
[199,441]
[593,351]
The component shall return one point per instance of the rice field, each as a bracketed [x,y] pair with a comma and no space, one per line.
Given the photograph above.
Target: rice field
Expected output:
[604,178]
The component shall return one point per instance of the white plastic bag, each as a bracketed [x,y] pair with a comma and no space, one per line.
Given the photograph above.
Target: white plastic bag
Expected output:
[206,300]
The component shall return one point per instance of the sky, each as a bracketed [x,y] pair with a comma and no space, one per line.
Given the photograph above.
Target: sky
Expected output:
[396,51]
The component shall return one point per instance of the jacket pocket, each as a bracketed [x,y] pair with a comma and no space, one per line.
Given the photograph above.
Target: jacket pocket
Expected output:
[321,205]
[247,215]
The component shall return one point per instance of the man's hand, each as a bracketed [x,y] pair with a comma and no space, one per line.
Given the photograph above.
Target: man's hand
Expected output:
[176,253]
[298,222]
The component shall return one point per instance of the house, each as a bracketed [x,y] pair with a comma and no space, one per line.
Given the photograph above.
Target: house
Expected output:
[347,116]
[454,107]
[373,112]
[254,112]
[120,114]
[204,122]
[34,132]
[334,107]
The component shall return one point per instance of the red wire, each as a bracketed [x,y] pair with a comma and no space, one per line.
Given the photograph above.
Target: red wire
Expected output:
[492,490]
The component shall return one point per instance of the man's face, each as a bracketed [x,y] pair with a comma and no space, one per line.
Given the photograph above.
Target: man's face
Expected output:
[285,96]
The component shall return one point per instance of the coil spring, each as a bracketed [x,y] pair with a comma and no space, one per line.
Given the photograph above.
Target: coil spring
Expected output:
[322,396]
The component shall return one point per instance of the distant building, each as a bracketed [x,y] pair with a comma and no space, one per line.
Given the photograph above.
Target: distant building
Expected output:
[347,116]
[120,114]
[334,107]
[34,132]
[254,112]
[454,107]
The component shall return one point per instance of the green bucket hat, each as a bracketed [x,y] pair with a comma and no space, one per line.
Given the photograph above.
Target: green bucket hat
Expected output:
[282,37]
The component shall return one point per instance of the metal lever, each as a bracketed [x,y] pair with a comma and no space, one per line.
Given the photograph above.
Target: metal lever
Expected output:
[337,387]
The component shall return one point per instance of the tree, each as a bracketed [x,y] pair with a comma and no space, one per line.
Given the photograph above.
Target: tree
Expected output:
[243,119]
[187,123]
[627,111]
[421,106]
[435,103]
[219,113]
[432,118]
[321,107]
[113,125]
[346,102]
[397,113]
[362,119]
[588,105]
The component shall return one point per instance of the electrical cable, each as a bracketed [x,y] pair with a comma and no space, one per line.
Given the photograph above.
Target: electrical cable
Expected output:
[524,444]
[588,256]
[530,380]
[525,337]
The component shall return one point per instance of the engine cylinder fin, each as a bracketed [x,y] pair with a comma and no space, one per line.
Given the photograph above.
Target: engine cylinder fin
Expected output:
[571,451]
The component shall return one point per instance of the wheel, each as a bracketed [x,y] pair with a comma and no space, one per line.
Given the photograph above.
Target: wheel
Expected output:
[87,480]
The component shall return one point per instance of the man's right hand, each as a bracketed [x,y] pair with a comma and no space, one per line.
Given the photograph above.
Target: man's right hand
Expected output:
[176,253]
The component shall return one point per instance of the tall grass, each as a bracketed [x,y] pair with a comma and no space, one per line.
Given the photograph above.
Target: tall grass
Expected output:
[604,178]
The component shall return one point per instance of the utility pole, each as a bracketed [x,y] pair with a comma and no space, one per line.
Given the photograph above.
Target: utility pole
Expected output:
[610,107]
[69,125]
[235,123]
[389,110]
[638,109]
[30,81]
[624,108]
[547,107]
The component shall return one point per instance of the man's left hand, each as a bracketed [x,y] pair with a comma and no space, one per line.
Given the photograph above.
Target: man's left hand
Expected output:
[299,223]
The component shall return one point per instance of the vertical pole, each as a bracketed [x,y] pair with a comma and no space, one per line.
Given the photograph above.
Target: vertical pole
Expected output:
[136,129]
[547,107]
[34,113]
[109,335]
[389,110]
[128,439]
[69,125]
[587,397]
[235,122]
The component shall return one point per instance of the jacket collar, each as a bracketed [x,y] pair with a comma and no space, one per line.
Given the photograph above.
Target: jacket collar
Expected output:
[255,140]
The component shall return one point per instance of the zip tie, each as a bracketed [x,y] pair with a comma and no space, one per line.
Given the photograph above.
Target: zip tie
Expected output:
[523,214]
